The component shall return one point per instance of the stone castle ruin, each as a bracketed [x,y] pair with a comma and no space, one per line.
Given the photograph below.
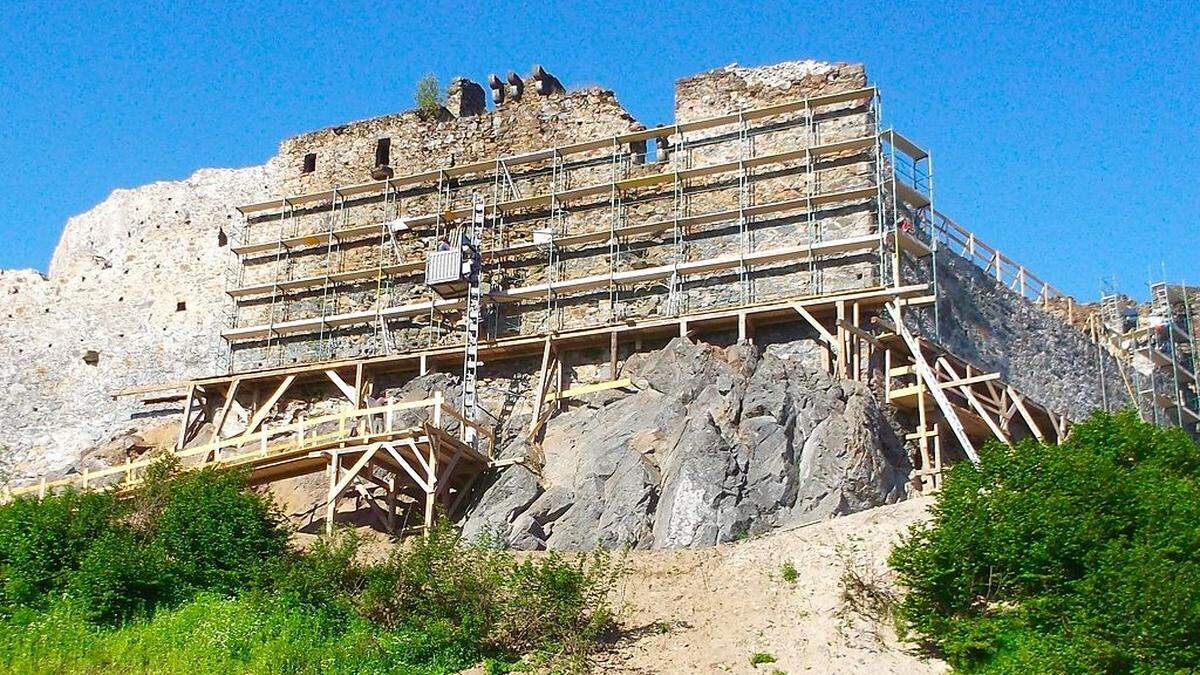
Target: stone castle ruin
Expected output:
[562,328]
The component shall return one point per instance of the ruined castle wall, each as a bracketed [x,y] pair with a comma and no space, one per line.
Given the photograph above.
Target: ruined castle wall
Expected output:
[990,325]
[136,281]
[558,120]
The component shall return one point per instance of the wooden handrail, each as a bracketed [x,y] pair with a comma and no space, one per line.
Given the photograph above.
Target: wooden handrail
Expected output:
[260,441]
[491,436]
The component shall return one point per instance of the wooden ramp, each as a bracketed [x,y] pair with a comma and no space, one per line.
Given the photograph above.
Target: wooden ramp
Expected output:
[405,460]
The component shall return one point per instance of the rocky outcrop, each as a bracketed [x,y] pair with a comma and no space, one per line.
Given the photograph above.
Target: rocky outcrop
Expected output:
[716,444]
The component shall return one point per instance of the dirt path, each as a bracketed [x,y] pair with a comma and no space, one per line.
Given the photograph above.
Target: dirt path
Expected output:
[710,610]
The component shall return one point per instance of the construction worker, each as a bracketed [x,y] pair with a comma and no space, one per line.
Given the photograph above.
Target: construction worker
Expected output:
[443,243]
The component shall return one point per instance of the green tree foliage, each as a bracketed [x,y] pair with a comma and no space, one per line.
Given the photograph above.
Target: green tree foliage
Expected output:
[187,533]
[429,97]
[1081,557]
[217,536]
[42,542]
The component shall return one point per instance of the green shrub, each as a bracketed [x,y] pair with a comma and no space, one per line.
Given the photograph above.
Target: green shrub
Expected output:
[1081,557]
[121,578]
[759,658]
[481,597]
[788,572]
[41,540]
[195,573]
[217,535]
[429,97]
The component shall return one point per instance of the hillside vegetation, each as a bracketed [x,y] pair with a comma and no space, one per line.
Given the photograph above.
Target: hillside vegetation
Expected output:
[196,573]
[1082,557]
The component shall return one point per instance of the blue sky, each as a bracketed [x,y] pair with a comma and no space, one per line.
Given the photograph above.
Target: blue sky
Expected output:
[1067,136]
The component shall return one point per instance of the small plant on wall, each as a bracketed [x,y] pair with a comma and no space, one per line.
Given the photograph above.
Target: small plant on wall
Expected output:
[429,97]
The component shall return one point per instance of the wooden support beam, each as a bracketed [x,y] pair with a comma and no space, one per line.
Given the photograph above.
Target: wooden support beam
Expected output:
[1020,405]
[448,472]
[265,409]
[331,498]
[745,328]
[831,341]
[843,361]
[926,374]
[540,393]
[860,333]
[226,406]
[408,468]
[346,389]
[432,482]
[460,498]
[613,352]
[973,401]
[358,465]
[589,389]
[187,416]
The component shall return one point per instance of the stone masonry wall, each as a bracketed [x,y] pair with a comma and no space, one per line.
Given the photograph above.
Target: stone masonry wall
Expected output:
[138,281]
[1036,352]
[350,149]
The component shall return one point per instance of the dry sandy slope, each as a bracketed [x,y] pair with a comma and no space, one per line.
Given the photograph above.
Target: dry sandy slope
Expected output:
[709,610]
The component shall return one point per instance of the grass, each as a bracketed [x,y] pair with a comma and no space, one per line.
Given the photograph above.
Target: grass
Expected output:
[195,574]
[789,573]
[759,658]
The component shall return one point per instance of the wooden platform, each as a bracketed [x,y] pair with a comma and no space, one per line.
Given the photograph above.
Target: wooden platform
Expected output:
[404,458]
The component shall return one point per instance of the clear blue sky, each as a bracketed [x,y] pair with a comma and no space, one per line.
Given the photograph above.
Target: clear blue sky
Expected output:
[1065,135]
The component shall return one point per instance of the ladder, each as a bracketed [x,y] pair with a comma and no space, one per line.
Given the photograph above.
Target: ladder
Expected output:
[473,313]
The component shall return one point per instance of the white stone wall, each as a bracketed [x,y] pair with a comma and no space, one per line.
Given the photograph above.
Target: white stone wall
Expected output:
[115,282]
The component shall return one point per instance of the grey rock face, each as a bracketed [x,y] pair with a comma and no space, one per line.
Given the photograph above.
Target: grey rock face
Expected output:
[716,444]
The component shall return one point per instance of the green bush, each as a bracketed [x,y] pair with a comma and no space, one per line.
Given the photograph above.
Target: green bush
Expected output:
[119,559]
[429,97]
[121,578]
[217,535]
[482,599]
[194,572]
[42,540]
[1081,557]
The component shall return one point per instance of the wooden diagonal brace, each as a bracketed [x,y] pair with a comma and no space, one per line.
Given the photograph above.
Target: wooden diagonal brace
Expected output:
[931,381]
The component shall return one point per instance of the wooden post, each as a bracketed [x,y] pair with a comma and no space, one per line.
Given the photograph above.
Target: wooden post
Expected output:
[612,355]
[539,392]
[855,316]
[924,372]
[841,340]
[187,415]
[331,498]
[937,456]
[431,487]
[391,504]
[923,441]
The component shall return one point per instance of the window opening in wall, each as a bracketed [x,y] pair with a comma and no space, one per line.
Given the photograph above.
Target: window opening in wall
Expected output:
[222,238]
[91,357]
[383,152]
[181,306]
[310,163]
